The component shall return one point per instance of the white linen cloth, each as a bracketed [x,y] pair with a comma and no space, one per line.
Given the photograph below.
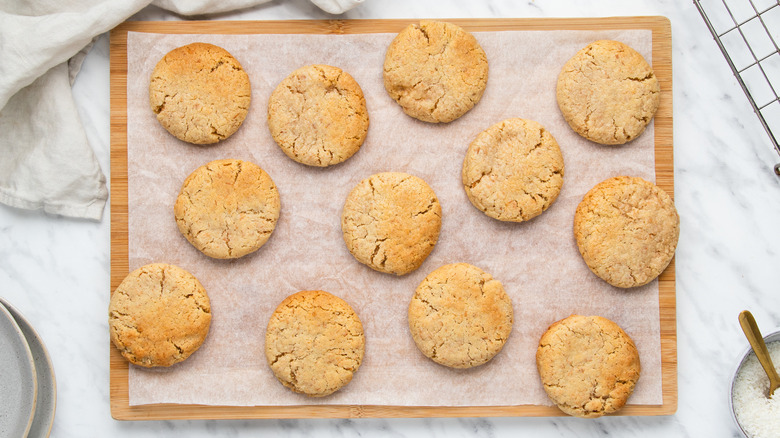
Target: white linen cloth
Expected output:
[45,160]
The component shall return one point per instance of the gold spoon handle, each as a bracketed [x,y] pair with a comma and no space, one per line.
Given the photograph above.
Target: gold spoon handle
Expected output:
[753,335]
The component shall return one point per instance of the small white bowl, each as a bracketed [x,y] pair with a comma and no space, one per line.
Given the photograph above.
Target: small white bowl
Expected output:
[771,337]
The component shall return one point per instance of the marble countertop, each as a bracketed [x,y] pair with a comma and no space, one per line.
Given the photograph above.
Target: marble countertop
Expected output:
[56,270]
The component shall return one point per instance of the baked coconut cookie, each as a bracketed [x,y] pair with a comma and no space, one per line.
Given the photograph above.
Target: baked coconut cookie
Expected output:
[608,93]
[314,343]
[460,316]
[436,71]
[588,365]
[159,315]
[227,208]
[513,171]
[626,229]
[391,222]
[200,93]
[317,115]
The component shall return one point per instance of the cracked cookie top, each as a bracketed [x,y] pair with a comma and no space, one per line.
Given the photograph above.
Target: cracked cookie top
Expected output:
[626,229]
[513,171]
[159,315]
[391,222]
[200,93]
[608,93]
[436,71]
[227,208]
[460,316]
[318,115]
[314,343]
[588,365]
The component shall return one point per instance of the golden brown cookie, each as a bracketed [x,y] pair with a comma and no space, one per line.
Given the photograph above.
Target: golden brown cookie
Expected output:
[626,230]
[588,365]
[608,92]
[159,315]
[513,171]
[391,222]
[436,71]
[460,316]
[314,343]
[200,93]
[227,208]
[318,115]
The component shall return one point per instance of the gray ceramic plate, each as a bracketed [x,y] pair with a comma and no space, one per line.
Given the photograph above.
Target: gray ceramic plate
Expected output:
[47,385]
[18,384]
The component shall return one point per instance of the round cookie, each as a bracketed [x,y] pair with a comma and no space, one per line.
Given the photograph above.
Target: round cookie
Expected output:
[513,171]
[391,222]
[436,71]
[318,115]
[460,316]
[159,315]
[314,343]
[626,230]
[588,365]
[227,208]
[200,93]
[608,93]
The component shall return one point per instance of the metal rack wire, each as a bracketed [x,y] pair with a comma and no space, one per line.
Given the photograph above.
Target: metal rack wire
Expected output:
[755,25]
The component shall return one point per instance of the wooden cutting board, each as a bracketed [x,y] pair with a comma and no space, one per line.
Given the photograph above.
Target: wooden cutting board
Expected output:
[664,166]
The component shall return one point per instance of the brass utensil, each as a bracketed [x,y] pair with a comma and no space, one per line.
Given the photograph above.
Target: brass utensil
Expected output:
[753,335]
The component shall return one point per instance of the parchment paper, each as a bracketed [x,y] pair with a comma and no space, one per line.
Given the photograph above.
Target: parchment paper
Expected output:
[537,261]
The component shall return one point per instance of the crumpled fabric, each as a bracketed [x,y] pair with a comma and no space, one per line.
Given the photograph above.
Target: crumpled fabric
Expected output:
[46,161]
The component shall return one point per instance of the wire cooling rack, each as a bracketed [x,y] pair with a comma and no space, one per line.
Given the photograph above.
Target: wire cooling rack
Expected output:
[748,32]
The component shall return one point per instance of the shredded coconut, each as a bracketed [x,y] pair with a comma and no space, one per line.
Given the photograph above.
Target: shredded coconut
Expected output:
[758,415]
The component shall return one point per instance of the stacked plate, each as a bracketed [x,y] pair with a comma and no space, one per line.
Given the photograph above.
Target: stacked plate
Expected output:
[28,391]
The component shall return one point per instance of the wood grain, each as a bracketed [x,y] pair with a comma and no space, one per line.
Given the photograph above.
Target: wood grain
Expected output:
[664,163]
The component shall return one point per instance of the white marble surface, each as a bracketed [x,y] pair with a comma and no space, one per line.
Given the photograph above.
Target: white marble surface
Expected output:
[56,270]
